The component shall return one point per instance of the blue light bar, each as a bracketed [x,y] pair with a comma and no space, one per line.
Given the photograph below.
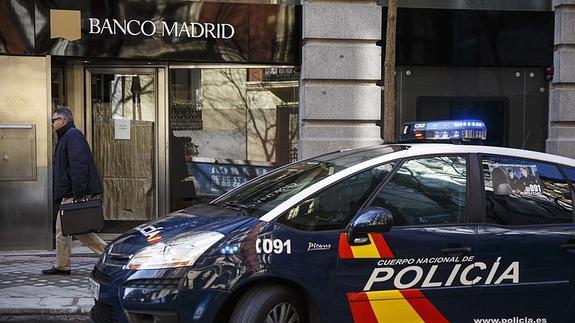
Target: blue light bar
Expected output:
[456,130]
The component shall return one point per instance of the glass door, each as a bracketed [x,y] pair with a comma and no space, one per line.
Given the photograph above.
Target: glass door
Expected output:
[123,130]
[228,125]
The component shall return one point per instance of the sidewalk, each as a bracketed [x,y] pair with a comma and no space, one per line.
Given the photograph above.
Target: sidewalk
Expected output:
[27,295]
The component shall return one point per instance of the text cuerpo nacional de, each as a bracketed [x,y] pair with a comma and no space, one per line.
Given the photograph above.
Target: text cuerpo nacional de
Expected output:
[149,28]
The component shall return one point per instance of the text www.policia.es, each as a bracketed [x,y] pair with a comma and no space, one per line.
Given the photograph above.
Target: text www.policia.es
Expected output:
[516,319]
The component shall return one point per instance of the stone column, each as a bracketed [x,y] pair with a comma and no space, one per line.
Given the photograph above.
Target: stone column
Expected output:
[561,139]
[340,102]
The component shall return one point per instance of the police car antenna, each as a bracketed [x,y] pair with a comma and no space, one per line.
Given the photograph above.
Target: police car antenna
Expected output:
[525,141]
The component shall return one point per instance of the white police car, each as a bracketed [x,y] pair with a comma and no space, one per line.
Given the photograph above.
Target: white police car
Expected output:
[394,233]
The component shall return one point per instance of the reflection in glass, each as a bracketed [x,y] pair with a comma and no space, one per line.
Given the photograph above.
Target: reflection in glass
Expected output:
[58,86]
[333,208]
[523,192]
[228,126]
[426,191]
[266,192]
[123,125]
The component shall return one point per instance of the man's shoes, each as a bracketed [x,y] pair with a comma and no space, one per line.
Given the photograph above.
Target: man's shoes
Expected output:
[56,271]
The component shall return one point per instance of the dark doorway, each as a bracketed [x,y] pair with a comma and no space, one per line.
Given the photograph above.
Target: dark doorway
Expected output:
[492,111]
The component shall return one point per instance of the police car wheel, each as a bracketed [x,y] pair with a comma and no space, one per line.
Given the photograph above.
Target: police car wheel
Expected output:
[268,304]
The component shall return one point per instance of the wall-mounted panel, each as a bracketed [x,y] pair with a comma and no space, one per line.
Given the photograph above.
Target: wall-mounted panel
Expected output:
[17,152]
[25,138]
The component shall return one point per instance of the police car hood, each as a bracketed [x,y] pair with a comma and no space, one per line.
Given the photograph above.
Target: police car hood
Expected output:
[195,219]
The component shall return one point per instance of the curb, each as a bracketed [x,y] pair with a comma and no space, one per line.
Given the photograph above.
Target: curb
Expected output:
[45,318]
[76,310]
[46,255]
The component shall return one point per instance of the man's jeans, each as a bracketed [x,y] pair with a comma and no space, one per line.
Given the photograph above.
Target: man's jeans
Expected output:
[63,249]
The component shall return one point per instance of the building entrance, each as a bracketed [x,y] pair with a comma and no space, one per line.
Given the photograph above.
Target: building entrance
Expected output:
[123,109]
[511,101]
[492,111]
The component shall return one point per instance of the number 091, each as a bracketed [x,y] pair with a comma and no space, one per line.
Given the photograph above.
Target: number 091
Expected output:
[276,246]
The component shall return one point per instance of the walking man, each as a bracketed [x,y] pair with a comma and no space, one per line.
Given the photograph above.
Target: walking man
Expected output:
[74,177]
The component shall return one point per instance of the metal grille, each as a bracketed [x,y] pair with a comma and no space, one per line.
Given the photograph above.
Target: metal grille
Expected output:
[116,260]
[293,136]
[164,283]
[102,313]
[186,116]
[292,153]
[278,74]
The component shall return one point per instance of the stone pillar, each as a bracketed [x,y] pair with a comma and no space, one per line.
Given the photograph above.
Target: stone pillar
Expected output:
[561,139]
[340,102]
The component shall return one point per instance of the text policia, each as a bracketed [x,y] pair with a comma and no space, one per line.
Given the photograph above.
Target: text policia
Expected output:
[463,271]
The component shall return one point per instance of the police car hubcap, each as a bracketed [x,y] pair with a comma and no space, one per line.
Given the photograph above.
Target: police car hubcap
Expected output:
[283,313]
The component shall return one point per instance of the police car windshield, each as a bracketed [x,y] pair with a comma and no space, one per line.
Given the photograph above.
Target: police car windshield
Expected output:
[266,192]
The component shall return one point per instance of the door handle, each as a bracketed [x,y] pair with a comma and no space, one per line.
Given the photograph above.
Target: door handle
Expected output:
[460,251]
[569,247]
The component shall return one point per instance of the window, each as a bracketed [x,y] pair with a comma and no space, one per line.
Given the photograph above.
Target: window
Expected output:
[265,193]
[58,77]
[225,129]
[333,208]
[524,192]
[426,191]
[570,174]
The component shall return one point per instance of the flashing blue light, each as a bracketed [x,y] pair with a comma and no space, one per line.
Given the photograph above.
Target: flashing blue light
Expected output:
[229,250]
[464,130]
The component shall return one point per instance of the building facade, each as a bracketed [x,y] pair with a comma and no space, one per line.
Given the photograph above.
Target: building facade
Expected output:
[184,100]
[562,98]
[488,60]
[180,101]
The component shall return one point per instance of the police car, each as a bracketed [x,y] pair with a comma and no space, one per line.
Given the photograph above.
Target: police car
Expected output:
[407,232]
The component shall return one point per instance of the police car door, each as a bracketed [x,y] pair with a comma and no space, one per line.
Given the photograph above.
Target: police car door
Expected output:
[313,226]
[422,269]
[528,239]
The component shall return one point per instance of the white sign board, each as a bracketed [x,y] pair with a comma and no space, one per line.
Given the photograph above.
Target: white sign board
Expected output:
[122,129]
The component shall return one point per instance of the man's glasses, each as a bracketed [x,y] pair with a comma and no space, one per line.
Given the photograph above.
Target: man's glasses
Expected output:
[56,119]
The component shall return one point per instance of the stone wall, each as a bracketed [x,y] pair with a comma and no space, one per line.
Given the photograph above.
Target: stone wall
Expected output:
[561,139]
[340,102]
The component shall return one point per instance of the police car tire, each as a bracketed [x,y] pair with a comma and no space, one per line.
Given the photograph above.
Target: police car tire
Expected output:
[254,305]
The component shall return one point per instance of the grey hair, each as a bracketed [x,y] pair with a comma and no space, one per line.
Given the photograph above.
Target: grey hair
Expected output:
[64,112]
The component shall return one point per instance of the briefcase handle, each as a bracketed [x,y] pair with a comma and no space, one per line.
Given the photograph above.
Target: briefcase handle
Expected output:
[85,198]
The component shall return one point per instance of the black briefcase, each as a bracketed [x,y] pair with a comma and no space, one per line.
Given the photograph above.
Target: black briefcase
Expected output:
[81,217]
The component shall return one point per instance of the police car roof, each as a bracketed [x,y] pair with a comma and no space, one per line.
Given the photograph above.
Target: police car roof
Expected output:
[437,148]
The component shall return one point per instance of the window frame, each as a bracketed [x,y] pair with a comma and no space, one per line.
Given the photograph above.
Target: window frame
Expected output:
[571,185]
[559,168]
[468,186]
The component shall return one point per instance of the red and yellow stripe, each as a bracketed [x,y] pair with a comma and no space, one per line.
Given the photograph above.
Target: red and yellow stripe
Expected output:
[377,248]
[408,305]
[396,306]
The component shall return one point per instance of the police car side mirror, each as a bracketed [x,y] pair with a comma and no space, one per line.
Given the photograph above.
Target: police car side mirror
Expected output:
[369,220]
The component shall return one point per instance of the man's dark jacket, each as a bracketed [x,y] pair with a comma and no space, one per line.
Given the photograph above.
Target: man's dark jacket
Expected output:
[75,173]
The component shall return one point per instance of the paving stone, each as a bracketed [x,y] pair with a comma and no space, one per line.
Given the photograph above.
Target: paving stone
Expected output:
[19,301]
[85,301]
[62,301]
[25,290]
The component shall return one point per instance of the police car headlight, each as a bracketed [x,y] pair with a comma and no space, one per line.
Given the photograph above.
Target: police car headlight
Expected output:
[179,252]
